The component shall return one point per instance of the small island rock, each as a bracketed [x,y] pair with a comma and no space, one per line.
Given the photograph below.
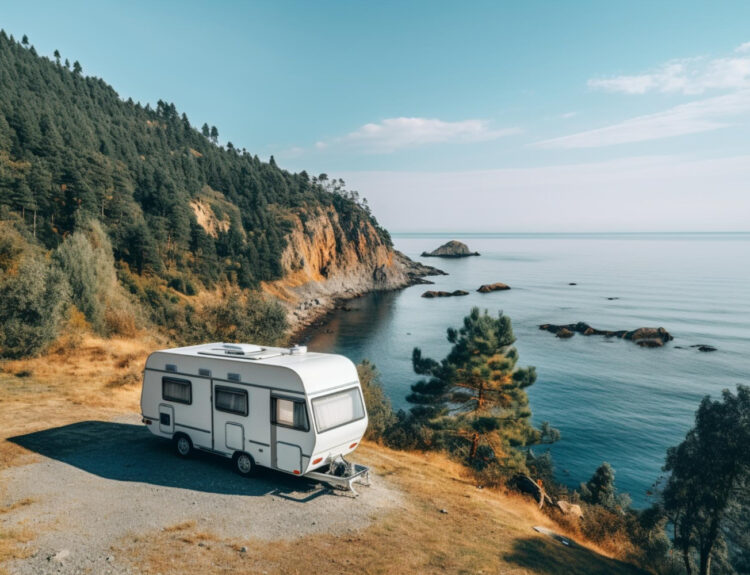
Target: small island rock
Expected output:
[433,293]
[497,286]
[452,249]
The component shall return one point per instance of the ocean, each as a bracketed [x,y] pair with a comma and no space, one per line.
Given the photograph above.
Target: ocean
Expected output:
[611,400]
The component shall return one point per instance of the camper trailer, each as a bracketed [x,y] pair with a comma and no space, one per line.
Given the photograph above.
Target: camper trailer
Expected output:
[284,408]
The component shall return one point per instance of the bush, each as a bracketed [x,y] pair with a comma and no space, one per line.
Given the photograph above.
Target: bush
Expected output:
[379,410]
[32,306]
[240,317]
[87,261]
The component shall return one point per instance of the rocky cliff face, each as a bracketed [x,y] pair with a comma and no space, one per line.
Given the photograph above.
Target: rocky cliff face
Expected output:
[326,260]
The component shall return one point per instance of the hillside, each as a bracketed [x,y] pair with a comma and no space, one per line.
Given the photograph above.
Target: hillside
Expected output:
[184,215]
[73,426]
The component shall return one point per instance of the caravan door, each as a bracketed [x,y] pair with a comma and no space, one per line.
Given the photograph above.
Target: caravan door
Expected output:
[290,430]
[230,411]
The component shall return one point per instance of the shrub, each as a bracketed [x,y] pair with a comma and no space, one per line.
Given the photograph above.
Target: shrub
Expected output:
[240,317]
[87,261]
[379,410]
[32,306]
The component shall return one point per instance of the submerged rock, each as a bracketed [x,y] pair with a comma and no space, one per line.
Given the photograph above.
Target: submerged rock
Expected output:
[452,249]
[497,286]
[433,293]
[644,336]
[703,347]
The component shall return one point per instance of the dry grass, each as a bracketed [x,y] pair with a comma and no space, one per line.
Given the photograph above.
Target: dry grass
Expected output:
[93,379]
[483,531]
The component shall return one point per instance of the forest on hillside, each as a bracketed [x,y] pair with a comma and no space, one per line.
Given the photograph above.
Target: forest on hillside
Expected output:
[77,158]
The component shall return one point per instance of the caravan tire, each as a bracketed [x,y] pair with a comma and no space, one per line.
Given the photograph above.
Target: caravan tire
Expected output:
[243,463]
[182,444]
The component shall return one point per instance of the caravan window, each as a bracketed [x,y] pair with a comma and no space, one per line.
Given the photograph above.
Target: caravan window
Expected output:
[177,390]
[338,409]
[289,413]
[231,400]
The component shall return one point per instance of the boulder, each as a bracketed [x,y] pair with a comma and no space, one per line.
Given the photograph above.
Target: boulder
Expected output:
[564,333]
[452,249]
[571,509]
[646,333]
[497,286]
[433,293]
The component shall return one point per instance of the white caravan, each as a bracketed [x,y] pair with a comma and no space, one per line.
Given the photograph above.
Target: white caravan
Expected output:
[282,408]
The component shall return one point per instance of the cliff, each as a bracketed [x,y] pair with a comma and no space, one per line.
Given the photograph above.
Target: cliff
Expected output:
[326,260]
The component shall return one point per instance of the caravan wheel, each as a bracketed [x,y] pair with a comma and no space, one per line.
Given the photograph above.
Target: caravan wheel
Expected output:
[244,464]
[182,445]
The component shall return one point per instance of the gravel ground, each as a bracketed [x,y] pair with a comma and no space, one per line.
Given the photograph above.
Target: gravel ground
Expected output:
[101,481]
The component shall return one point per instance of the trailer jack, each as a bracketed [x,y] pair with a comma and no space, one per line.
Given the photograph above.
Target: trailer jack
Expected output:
[342,474]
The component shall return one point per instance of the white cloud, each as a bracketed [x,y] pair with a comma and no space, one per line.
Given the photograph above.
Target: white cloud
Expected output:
[568,115]
[685,76]
[692,118]
[394,134]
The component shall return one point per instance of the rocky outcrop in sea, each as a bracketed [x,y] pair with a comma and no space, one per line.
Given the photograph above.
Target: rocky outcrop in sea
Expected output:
[452,249]
[644,336]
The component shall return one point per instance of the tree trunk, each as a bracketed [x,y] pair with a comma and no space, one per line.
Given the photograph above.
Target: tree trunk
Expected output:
[705,566]
[474,445]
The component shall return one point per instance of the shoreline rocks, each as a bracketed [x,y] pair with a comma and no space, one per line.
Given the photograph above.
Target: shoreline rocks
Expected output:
[451,249]
[644,336]
[497,286]
[433,293]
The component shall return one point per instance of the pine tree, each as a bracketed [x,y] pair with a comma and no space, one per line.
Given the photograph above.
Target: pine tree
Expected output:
[600,489]
[476,396]
[709,475]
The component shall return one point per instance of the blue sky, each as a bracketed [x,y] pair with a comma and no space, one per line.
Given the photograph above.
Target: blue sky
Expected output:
[492,116]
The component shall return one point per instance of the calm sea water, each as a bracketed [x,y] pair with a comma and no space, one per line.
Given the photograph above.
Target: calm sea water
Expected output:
[611,400]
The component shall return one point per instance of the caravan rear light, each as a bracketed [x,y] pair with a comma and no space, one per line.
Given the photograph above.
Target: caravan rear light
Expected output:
[353,445]
[318,460]
[296,471]
[146,421]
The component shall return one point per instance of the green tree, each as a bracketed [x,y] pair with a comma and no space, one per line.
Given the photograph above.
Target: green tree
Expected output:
[709,474]
[206,131]
[77,69]
[57,57]
[214,134]
[600,489]
[25,40]
[475,398]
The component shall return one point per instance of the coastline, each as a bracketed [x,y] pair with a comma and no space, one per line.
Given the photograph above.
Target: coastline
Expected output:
[308,317]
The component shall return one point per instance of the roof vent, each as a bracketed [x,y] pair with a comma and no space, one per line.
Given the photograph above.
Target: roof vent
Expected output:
[240,348]
[298,350]
[233,376]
